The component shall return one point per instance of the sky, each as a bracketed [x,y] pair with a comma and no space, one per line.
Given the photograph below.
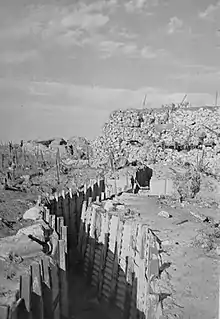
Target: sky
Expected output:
[65,64]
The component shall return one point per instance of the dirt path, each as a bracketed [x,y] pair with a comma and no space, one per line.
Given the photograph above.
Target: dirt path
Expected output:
[193,273]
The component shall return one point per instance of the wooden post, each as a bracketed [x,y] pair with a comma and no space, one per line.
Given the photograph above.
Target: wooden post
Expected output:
[36,297]
[86,242]
[117,254]
[46,288]
[108,275]
[92,244]
[64,307]
[64,230]
[47,215]
[73,229]
[16,157]
[81,234]
[25,292]
[4,312]
[55,292]
[52,221]
[60,224]
[104,250]
[121,291]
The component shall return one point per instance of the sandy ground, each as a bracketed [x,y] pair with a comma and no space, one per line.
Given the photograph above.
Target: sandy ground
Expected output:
[193,273]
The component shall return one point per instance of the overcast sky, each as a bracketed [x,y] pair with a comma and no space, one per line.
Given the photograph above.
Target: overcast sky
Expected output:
[65,64]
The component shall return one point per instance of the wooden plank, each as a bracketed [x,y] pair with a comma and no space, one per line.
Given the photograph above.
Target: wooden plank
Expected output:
[143,267]
[137,263]
[85,191]
[52,205]
[66,212]
[86,244]
[36,296]
[55,291]
[104,250]
[108,271]
[89,201]
[97,253]
[93,186]
[130,274]
[64,307]
[133,306]
[64,231]
[25,292]
[98,187]
[52,221]
[18,310]
[141,271]
[79,202]
[92,244]
[47,215]
[4,312]
[46,288]
[117,254]
[72,218]
[121,284]
[59,225]
[45,264]
[60,204]
[102,196]
[56,204]
[82,227]
[152,272]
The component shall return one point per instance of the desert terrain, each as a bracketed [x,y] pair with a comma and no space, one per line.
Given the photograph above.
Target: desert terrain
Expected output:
[181,145]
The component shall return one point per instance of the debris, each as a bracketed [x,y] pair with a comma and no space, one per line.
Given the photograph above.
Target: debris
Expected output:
[182,222]
[201,217]
[164,214]
[13,257]
[108,206]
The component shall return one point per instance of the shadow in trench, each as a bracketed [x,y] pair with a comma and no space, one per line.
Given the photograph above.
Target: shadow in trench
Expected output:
[98,294]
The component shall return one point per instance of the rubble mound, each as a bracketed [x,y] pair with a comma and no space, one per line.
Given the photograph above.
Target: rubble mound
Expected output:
[78,148]
[167,135]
